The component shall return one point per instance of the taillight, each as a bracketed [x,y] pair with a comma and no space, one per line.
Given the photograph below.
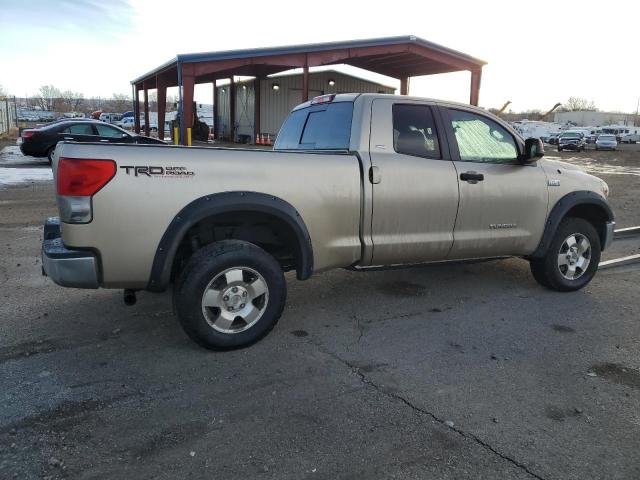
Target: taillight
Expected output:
[77,180]
[28,133]
[82,177]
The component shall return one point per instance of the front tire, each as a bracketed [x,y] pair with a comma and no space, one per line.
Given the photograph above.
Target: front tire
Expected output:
[230,295]
[572,258]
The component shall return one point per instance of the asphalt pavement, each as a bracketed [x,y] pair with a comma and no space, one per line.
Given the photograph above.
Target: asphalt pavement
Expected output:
[454,372]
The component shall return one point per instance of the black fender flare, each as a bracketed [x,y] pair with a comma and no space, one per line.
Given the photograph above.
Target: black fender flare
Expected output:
[560,210]
[227,202]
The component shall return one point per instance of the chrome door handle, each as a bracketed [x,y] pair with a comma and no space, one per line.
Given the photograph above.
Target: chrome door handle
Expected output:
[106,141]
[68,138]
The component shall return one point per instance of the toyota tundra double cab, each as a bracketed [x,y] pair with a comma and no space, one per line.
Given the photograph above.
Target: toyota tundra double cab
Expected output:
[356,181]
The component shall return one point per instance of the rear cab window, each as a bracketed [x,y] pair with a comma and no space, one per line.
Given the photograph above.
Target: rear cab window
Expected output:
[325,126]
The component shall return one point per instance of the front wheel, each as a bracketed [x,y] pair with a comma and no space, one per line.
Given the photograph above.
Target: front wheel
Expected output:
[572,258]
[230,295]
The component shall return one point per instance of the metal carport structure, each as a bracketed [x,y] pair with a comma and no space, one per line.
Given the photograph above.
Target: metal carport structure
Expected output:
[397,57]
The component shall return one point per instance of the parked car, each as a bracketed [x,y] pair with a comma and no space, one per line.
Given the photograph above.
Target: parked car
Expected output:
[380,181]
[553,139]
[606,142]
[571,141]
[41,142]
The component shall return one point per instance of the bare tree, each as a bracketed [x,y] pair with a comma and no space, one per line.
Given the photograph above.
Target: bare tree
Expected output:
[172,102]
[47,95]
[72,101]
[120,102]
[153,101]
[579,104]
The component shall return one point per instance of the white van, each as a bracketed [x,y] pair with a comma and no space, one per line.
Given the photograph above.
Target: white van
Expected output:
[623,133]
[110,117]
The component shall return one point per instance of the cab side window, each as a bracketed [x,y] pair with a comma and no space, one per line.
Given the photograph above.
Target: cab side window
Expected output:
[80,129]
[480,139]
[414,131]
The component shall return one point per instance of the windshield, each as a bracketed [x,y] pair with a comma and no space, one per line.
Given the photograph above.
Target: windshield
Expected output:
[606,137]
[570,135]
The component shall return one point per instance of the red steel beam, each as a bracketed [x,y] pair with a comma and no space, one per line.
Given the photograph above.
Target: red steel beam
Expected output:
[136,110]
[215,109]
[476,77]
[161,88]
[305,82]
[147,129]
[188,82]
[232,109]
[404,86]
[256,111]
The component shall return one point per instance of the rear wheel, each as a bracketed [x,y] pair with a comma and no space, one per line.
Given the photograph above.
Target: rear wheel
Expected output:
[572,258]
[230,295]
[50,154]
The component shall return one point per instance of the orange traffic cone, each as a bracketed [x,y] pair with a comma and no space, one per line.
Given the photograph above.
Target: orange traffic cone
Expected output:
[257,139]
[268,139]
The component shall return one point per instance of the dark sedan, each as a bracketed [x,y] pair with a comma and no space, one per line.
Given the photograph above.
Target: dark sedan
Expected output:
[41,142]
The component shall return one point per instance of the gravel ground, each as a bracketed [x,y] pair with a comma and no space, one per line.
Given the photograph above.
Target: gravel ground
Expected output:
[461,372]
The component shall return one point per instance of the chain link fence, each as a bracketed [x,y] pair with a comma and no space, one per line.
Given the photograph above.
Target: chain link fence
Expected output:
[8,114]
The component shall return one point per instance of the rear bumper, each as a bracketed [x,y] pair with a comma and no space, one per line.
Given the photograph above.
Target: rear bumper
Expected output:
[608,234]
[68,268]
[27,150]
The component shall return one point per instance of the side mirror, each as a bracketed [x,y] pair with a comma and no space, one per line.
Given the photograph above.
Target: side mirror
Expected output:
[125,135]
[533,150]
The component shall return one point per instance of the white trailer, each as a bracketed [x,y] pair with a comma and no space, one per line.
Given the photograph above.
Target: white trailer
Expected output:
[624,133]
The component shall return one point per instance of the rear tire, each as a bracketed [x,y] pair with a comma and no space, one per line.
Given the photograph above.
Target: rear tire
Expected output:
[50,154]
[572,258]
[230,295]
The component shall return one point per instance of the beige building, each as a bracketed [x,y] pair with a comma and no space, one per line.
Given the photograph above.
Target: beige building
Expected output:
[594,119]
[278,95]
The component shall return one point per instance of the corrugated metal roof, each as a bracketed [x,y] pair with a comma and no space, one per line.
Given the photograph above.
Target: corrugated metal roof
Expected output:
[308,48]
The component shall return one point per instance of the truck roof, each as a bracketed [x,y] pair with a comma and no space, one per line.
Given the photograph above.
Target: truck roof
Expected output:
[350,97]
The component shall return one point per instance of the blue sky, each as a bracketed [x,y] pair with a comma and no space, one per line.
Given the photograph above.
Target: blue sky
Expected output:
[538,52]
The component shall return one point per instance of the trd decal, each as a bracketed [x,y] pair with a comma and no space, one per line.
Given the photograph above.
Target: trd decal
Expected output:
[151,171]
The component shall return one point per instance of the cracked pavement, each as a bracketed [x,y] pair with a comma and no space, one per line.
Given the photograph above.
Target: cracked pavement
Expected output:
[452,372]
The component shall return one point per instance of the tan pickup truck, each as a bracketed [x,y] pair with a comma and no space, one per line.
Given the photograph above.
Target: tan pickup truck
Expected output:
[354,181]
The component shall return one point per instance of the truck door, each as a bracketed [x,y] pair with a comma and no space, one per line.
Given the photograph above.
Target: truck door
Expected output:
[415,190]
[503,203]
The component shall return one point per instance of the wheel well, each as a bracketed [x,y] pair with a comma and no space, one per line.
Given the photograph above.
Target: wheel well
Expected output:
[593,214]
[269,232]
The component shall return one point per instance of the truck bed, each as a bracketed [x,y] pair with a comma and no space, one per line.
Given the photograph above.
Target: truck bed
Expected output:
[153,184]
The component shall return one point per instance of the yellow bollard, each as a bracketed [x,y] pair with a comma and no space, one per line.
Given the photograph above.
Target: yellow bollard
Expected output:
[188,137]
[175,136]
